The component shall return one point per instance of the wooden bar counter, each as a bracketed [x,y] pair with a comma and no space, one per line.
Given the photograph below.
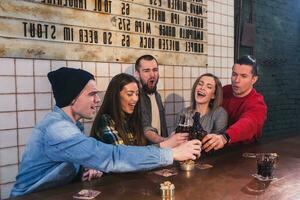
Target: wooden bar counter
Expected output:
[230,178]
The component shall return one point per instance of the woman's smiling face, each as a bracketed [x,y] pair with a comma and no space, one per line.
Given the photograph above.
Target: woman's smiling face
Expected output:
[129,96]
[205,90]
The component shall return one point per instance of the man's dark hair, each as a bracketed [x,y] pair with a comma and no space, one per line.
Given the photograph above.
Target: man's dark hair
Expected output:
[249,60]
[144,57]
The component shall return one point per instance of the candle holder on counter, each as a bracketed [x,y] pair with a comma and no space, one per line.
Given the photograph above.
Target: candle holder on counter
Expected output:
[167,190]
[187,165]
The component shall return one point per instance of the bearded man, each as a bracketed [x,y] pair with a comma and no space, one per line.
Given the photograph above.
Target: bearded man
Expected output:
[153,112]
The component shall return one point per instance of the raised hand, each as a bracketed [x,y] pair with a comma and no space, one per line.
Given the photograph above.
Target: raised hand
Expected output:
[89,174]
[187,150]
[213,141]
[174,140]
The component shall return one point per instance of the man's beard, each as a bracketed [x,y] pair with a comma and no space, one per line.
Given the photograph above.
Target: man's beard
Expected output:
[147,89]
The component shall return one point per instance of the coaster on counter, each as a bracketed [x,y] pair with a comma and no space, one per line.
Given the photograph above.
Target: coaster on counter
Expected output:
[86,194]
[203,166]
[261,178]
[166,172]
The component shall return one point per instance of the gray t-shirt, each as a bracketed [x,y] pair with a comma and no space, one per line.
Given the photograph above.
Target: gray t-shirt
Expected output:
[214,121]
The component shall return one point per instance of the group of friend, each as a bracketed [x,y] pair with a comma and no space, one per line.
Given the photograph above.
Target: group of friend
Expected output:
[129,132]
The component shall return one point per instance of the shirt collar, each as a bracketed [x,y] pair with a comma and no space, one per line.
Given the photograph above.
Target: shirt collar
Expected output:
[66,117]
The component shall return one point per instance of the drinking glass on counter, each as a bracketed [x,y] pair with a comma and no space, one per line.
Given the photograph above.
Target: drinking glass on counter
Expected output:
[266,163]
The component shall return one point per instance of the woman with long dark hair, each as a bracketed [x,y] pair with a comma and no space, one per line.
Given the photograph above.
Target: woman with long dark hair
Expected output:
[118,120]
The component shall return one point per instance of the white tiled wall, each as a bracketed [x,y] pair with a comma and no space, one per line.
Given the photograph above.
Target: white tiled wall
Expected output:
[25,92]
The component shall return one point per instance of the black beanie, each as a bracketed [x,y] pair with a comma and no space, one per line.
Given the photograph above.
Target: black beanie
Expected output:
[67,84]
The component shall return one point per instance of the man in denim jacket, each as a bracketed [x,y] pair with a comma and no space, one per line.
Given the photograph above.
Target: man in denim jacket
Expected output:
[58,146]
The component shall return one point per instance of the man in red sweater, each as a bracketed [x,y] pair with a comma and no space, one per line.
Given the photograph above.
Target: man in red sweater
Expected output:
[245,107]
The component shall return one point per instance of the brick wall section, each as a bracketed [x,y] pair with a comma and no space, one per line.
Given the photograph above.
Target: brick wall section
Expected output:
[278,53]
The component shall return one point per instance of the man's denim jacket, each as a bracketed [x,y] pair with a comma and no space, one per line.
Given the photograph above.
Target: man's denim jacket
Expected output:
[58,147]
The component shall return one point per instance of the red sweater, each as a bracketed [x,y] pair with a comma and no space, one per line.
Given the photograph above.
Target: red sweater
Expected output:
[246,115]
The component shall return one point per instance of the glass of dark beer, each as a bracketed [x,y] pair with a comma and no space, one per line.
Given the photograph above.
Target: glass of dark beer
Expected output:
[185,124]
[266,163]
